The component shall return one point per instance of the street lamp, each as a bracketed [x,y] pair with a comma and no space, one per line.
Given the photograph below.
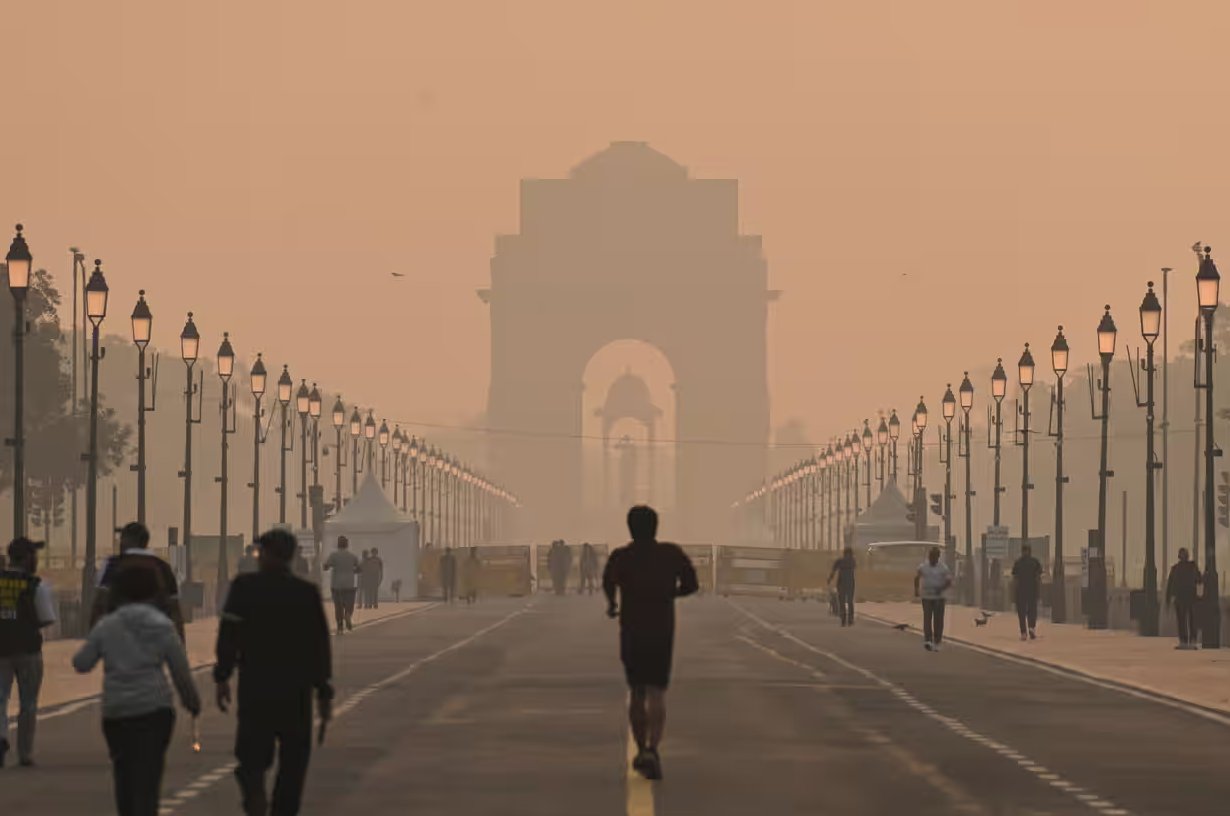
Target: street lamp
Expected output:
[339,422]
[285,385]
[1025,368]
[19,263]
[413,451]
[1207,283]
[142,326]
[396,443]
[882,443]
[369,434]
[949,409]
[189,350]
[260,379]
[920,491]
[967,404]
[384,455]
[303,404]
[226,369]
[867,443]
[1059,364]
[422,479]
[96,309]
[314,410]
[894,433]
[356,463]
[1098,613]
[1150,328]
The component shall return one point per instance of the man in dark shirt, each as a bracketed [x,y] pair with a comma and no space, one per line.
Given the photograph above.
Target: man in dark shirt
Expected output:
[844,568]
[1181,588]
[649,576]
[135,554]
[274,629]
[1027,586]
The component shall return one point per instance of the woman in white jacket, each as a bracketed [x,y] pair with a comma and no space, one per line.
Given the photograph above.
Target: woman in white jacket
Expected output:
[135,642]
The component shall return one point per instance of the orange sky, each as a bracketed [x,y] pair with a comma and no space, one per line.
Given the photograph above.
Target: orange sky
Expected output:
[935,183]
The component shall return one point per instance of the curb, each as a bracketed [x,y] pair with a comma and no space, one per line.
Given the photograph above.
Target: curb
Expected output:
[1223,714]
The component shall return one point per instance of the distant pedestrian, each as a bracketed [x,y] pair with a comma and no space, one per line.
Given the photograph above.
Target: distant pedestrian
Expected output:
[448,575]
[274,630]
[560,562]
[27,606]
[396,587]
[135,554]
[648,576]
[248,562]
[935,578]
[375,566]
[135,643]
[364,592]
[345,568]
[1026,587]
[589,569]
[1181,589]
[843,569]
[471,569]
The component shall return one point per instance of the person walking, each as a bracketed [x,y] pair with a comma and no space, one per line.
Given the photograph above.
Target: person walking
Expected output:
[135,643]
[248,562]
[648,576]
[27,606]
[135,554]
[561,568]
[470,569]
[1026,587]
[843,569]
[589,569]
[345,568]
[448,575]
[274,630]
[376,565]
[935,579]
[1181,589]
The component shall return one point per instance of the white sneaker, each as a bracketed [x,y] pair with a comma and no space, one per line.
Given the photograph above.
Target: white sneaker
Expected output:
[1033,635]
[935,648]
[1024,636]
[927,645]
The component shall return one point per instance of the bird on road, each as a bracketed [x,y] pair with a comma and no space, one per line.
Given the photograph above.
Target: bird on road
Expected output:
[981,621]
[901,627]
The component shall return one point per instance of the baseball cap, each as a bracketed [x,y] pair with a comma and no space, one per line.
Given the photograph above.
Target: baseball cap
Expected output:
[22,548]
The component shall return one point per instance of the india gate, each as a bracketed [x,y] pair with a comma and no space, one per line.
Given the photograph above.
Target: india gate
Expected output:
[629,247]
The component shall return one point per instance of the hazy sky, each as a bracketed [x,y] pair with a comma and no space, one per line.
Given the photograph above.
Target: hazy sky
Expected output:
[935,183]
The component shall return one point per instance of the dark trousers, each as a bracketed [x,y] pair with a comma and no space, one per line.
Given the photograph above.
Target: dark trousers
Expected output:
[845,603]
[933,619]
[343,606]
[1185,613]
[284,724]
[138,747]
[1027,612]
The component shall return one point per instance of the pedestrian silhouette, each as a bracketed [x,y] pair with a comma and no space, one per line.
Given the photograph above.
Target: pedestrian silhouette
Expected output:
[933,578]
[647,576]
[135,554]
[844,568]
[27,606]
[1026,586]
[275,631]
[346,568]
[1181,589]
[448,574]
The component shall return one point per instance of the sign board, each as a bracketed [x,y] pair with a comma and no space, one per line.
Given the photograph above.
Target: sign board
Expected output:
[996,545]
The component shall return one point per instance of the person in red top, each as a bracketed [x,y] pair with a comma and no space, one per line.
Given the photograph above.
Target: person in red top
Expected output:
[648,576]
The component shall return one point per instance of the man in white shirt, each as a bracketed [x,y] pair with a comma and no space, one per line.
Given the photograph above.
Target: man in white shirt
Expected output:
[934,577]
[345,566]
[26,608]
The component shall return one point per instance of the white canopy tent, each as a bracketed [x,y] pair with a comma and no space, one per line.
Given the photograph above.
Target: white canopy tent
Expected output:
[370,520]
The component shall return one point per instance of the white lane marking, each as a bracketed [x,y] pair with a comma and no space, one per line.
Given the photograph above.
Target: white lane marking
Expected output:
[1220,719]
[197,786]
[948,722]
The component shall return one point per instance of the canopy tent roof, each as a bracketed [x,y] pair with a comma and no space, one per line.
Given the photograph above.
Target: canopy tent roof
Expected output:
[888,509]
[368,511]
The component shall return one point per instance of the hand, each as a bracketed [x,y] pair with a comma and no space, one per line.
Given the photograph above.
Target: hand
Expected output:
[612,611]
[325,708]
[223,695]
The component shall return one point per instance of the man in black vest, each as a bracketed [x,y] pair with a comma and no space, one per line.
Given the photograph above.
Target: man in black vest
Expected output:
[26,607]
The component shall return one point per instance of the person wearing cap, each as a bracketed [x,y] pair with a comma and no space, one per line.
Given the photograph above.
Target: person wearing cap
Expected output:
[27,606]
[135,554]
[275,631]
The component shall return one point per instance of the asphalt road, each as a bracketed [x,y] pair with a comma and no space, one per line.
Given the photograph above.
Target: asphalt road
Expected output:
[516,707]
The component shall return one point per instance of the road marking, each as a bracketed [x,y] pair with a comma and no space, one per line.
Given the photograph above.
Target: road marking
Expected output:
[198,785]
[640,789]
[952,724]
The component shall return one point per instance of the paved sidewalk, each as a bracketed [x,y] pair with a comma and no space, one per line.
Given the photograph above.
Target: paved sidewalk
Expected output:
[62,684]
[1149,664]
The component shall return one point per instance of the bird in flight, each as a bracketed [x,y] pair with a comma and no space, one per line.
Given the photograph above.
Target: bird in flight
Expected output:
[398,275]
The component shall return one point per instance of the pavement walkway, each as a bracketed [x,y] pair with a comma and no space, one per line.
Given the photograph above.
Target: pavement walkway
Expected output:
[1152,665]
[62,684]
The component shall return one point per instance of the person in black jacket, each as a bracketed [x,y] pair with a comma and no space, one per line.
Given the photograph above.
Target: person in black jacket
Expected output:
[274,629]
[1181,588]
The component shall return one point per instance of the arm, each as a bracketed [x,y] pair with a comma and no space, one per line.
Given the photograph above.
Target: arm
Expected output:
[45,605]
[609,583]
[323,665]
[229,628]
[176,658]
[1170,586]
[174,611]
[832,572]
[917,579]
[688,582]
[88,656]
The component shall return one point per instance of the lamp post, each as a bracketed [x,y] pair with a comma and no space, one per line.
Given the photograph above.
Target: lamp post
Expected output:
[395,442]
[259,379]
[339,422]
[949,406]
[96,308]
[189,349]
[226,369]
[852,455]
[1098,612]
[422,483]
[867,443]
[1150,328]
[285,384]
[1025,370]
[894,433]
[412,468]
[142,325]
[384,454]
[969,588]
[19,263]
[303,404]
[356,464]
[1208,282]
[999,389]
[920,491]
[882,454]
[314,410]
[1059,599]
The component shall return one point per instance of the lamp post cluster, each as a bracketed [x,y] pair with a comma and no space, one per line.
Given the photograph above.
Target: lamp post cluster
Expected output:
[462,506]
[814,504]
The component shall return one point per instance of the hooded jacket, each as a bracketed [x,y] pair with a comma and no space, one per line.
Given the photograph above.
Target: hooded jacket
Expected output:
[135,642]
